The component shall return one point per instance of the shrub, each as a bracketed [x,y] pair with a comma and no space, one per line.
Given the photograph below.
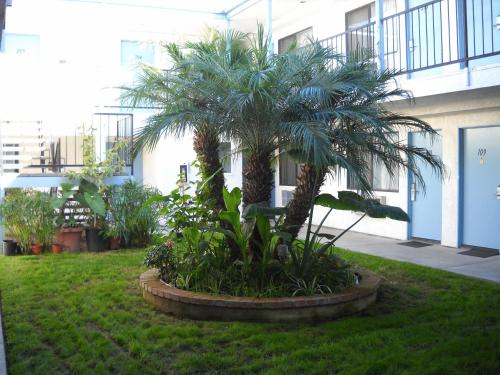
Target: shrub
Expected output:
[129,216]
[29,216]
[161,257]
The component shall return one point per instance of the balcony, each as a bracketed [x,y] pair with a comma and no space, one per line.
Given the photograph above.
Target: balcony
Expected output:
[439,33]
[27,148]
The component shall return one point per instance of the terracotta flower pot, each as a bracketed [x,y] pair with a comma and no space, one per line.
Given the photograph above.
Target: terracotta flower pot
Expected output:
[56,248]
[37,248]
[70,238]
[114,243]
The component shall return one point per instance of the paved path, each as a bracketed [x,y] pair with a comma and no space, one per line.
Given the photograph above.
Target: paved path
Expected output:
[435,256]
[3,361]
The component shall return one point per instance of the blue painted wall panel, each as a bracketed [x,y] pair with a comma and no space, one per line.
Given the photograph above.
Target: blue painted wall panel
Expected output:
[481,176]
[426,207]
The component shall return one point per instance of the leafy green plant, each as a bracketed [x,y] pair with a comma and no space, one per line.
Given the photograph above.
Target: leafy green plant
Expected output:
[161,257]
[259,264]
[16,213]
[129,217]
[44,217]
[307,256]
[63,204]
[29,216]
[186,206]
[90,197]
[91,178]
[95,170]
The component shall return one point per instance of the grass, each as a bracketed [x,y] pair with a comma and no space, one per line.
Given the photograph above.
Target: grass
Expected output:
[84,314]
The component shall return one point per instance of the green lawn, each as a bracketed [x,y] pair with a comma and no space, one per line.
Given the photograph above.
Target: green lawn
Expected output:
[84,314]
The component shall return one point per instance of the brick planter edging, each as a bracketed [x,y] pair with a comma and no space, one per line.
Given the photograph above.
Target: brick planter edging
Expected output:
[200,306]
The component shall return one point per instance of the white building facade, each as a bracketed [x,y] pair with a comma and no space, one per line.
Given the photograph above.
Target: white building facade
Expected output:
[448,53]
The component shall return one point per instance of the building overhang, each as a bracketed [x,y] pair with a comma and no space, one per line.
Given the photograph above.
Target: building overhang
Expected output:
[3,10]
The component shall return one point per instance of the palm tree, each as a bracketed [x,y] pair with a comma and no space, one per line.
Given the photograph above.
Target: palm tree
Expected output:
[360,128]
[183,106]
[253,97]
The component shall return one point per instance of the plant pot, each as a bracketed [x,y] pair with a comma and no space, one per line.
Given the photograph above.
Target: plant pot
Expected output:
[70,238]
[95,240]
[37,248]
[9,247]
[114,243]
[56,248]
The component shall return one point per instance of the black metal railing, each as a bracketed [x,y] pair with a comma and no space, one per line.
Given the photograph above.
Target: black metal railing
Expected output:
[431,35]
[354,41]
[39,153]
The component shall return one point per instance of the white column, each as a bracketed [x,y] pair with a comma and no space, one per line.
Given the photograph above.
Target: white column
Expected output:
[379,35]
[228,32]
[270,25]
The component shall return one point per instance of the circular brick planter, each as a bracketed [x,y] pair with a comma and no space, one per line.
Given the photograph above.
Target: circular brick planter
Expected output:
[202,306]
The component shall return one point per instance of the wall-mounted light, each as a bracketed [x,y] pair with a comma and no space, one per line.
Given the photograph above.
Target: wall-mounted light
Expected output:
[498,23]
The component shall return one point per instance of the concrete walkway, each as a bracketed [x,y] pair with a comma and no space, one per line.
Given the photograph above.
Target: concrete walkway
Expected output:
[435,256]
[3,361]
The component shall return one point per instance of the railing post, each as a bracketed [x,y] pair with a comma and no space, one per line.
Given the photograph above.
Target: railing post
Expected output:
[463,50]
[270,26]
[379,5]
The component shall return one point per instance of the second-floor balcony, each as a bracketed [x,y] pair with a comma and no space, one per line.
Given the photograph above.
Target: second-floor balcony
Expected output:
[435,34]
[30,148]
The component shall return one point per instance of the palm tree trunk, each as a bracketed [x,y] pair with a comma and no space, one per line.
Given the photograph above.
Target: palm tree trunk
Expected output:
[258,182]
[258,178]
[299,205]
[206,145]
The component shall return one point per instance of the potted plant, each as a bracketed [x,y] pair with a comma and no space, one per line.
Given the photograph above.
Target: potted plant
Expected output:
[89,196]
[9,247]
[70,231]
[113,233]
[92,187]
[16,212]
[43,220]
[56,248]
[69,235]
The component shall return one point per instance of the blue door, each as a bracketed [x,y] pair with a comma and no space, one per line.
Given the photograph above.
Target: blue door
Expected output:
[425,205]
[481,187]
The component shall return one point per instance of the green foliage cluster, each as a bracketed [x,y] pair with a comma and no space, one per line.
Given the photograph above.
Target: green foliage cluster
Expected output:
[186,206]
[131,215]
[198,256]
[247,253]
[29,217]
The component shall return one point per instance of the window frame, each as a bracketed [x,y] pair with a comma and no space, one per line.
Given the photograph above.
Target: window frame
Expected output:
[352,186]
[139,43]
[284,154]
[370,16]
[6,35]
[289,161]
[295,34]
[228,156]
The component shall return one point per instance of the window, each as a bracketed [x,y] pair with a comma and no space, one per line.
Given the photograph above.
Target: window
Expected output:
[225,156]
[21,45]
[289,170]
[133,52]
[378,176]
[360,32]
[300,38]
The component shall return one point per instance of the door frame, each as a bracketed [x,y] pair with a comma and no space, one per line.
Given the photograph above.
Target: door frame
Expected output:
[461,177]
[408,190]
